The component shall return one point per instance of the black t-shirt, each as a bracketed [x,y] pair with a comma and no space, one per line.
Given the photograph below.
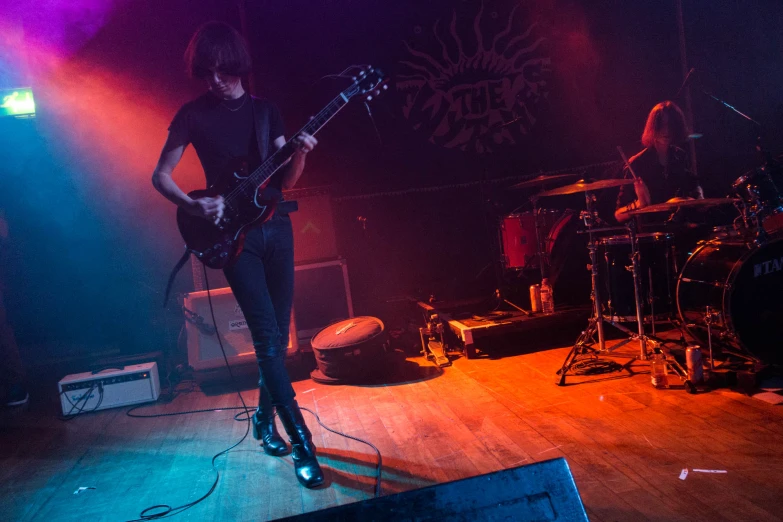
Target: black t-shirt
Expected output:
[221,131]
[664,183]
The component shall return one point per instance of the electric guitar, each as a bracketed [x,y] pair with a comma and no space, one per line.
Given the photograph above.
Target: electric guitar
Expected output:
[248,200]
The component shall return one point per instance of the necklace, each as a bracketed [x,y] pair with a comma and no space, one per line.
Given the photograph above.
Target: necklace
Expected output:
[244,99]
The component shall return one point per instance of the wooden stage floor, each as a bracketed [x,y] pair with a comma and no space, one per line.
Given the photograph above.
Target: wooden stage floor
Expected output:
[625,442]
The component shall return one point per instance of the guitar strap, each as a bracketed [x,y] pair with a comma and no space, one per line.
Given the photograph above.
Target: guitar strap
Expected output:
[174,272]
[261,120]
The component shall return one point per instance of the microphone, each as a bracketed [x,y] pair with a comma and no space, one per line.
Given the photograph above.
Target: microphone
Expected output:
[685,82]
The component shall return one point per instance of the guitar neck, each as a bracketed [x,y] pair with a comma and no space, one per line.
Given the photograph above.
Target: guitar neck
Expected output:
[268,168]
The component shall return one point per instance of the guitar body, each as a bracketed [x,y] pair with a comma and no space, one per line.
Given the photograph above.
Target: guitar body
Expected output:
[249,199]
[217,246]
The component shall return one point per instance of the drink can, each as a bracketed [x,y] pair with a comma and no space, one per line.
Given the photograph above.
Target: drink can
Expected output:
[695,365]
[535,298]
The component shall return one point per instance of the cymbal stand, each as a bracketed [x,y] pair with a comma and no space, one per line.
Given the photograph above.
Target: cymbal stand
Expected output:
[596,323]
[585,341]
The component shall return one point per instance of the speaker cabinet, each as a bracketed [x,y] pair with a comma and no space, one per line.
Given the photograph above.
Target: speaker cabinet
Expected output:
[541,491]
[203,346]
[322,295]
[313,224]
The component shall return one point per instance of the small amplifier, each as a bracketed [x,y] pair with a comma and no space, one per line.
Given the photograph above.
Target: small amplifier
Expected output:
[111,388]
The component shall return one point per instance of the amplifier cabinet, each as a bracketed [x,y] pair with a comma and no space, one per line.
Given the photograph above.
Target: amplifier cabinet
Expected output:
[203,347]
[313,225]
[322,295]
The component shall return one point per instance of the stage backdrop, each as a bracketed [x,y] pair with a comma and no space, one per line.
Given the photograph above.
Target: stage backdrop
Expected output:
[481,95]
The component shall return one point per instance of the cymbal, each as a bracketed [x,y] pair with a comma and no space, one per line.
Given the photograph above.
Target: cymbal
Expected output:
[585,187]
[541,180]
[668,206]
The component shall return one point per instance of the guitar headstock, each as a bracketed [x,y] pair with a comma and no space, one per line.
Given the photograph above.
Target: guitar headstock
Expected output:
[369,83]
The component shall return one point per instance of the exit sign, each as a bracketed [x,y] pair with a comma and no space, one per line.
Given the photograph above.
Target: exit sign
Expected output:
[17,102]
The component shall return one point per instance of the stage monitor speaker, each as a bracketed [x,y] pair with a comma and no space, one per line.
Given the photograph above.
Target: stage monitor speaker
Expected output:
[203,347]
[541,491]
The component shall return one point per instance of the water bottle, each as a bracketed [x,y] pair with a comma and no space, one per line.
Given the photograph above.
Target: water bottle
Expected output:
[658,372]
[547,299]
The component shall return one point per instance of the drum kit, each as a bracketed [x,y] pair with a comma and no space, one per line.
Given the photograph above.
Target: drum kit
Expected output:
[726,295]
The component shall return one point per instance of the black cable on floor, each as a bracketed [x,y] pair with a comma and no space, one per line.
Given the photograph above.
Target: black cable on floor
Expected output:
[165,511]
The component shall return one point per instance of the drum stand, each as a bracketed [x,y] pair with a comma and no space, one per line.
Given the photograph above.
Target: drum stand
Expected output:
[584,343]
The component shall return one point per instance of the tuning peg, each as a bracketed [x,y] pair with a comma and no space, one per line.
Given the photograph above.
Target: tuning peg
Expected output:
[369,98]
[377,92]
[385,87]
[362,73]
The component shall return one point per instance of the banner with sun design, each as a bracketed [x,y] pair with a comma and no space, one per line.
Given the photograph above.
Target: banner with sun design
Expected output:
[476,81]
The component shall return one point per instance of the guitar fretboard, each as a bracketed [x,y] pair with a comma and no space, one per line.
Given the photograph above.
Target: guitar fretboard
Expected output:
[268,168]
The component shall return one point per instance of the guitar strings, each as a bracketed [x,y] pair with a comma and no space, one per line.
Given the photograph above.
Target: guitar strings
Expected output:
[231,196]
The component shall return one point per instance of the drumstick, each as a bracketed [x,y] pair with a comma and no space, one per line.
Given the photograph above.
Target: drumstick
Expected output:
[625,160]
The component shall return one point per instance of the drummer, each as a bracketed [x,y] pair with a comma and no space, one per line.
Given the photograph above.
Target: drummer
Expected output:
[662,168]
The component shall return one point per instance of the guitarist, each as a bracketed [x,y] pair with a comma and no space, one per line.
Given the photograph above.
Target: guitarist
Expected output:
[222,125]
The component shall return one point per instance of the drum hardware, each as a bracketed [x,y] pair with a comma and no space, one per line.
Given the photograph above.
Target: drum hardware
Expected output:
[738,283]
[671,206]
[709,317]
[433,341]
[502,299]
[543,253]
[761,202]
[582,186]
[595,325]
[657,262]
[542,180]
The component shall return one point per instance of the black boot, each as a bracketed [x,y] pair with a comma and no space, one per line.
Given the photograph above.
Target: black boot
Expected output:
[308,472]
[264,428]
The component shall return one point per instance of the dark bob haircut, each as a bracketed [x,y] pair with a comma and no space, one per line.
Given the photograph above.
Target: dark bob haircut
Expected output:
[654,125]
[217,44]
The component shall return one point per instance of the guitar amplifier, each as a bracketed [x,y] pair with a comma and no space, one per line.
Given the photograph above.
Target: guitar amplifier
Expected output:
[203,347]
[313,224]
[322,296]
[111,388]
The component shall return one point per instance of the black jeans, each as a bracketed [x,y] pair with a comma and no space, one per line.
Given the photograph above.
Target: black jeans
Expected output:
[262,279]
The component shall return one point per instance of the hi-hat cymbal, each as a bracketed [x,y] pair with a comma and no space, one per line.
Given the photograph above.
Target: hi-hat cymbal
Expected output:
[542,180]
[669,206]
[585,187]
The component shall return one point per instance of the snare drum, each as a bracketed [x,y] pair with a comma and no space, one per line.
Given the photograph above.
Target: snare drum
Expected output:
[658,272]
[742,283]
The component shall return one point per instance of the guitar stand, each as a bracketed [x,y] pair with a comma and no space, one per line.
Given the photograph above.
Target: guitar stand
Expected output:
[586,340]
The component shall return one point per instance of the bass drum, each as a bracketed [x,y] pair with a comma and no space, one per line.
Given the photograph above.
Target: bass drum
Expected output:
[743,284]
